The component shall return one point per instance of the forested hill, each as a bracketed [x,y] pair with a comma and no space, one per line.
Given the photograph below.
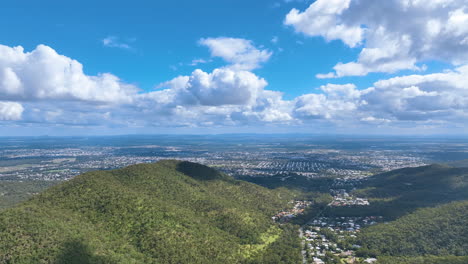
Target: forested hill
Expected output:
[396,193]
[439,231]
[429,206]
[436,180]
[166,212]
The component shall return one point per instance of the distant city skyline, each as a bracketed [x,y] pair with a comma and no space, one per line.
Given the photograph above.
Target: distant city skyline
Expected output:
[397,67]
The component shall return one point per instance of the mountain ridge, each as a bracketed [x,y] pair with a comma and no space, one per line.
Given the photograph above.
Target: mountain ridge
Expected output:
[146,213]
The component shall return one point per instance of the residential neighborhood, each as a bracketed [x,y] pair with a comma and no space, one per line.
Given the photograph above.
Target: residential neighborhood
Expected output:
[329,240]
[297,209]
[343,198]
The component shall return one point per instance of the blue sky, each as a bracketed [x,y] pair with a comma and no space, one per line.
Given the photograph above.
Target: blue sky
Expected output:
[146,44]
[164,34]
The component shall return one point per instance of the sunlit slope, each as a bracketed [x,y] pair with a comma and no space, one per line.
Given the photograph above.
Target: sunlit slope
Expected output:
[167,212]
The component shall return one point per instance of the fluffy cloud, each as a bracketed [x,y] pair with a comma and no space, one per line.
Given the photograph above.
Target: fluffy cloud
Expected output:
[240,53]
[10,111]
[43,87]
[397,34]
[270,107]
[42,74]
[336,102]
[322,18]
[221,87]
[439,96]
[222,97]
[53,89]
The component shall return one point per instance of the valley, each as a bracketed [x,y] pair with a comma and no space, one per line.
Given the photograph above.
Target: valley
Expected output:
[267,202]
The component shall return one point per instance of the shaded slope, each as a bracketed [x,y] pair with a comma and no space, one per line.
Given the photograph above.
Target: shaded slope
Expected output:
[396,193]
[424,260]
[167,212]
[458,163]
[439,231]
[14,192]
[429,206]
[435,182]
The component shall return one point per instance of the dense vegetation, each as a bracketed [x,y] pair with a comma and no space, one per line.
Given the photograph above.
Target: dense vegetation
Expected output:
[429,208]
[285,250]
[182,212]
[167,212]
[438,231]
[399,192]
[14,192]
[431,184]
[424,260]
[293,181]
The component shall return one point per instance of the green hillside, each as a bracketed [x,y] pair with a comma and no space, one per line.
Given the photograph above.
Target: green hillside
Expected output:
[439,231]
[167,212]
[433,183]
[429,209]
[424,260]
[399,192]
[14,192]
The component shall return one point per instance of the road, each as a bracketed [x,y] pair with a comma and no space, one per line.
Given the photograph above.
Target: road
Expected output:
[303,252]
[301,233]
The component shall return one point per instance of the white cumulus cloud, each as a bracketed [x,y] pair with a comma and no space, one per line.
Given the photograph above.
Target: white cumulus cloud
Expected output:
[221,87]
[43,74]
[44,87]
[439,96]
[322,19]
[240,53]
[336,102]
[10,111]
[394,35]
